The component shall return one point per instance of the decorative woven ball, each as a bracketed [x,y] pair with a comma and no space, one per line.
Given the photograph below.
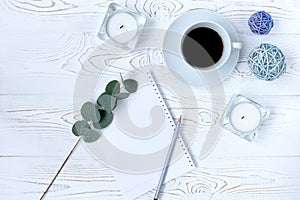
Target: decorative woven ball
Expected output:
[261,23]
[267,62]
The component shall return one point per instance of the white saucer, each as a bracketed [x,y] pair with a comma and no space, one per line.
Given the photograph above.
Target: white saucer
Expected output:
[172,48]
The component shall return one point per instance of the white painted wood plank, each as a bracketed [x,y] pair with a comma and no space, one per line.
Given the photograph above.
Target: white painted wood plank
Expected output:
[251,178]
[66,53]
[42,127]
[85,16]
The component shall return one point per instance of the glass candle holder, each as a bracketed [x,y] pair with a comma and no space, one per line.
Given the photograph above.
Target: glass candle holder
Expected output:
[121,26]
[244,117]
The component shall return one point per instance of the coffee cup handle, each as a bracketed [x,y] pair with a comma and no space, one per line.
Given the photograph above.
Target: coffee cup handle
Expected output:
[237,45]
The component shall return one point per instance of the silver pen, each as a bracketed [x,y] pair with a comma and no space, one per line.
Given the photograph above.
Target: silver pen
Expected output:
[168,158]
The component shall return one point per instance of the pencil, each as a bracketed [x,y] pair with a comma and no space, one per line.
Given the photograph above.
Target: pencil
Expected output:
[168,158]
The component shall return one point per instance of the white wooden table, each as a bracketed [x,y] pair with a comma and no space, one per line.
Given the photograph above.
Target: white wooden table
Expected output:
[42,47]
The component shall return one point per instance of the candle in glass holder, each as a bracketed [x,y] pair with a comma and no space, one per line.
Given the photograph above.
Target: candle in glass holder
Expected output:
[245,117]
[121,27]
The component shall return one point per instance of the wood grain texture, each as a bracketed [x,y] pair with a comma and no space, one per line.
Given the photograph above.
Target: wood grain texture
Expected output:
[43,45]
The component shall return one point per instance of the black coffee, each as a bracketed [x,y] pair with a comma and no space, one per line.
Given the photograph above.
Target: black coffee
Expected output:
[202,47]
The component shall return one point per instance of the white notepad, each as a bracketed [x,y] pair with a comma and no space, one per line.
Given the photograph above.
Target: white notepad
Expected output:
[140,135]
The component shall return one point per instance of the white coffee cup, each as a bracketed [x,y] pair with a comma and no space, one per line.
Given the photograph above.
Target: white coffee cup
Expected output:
[227,44]
[176,34]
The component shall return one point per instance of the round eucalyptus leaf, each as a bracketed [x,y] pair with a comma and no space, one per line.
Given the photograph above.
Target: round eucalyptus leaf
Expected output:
[106,118]
[107,102]
[78,126]
[89,135]
[122,80]
[130,85]
[90,112]
[104,93]
[121,96]
[113,87]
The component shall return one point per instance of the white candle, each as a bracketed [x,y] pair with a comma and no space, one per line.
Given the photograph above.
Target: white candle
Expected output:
[245,117]
[121,27]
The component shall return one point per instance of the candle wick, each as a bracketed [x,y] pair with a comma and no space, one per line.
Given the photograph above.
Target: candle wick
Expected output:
[121,26]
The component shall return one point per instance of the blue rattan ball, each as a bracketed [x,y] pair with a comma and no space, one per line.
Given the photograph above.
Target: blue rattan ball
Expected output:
[260,23]
[267,62]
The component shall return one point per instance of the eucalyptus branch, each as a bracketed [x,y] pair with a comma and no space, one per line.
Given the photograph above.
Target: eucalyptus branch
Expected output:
[98,115]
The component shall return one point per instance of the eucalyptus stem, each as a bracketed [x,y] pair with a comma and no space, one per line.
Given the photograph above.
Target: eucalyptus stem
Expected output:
[61,167]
